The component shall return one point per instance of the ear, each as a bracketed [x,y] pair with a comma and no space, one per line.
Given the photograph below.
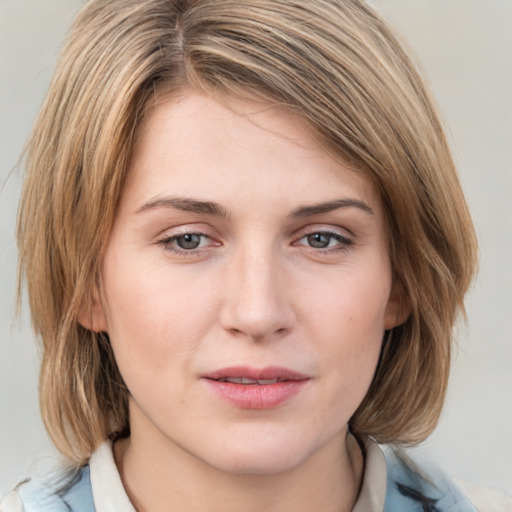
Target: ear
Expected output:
[91,314]
[398,308]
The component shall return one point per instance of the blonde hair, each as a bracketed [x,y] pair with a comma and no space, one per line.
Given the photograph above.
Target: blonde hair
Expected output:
[334,63]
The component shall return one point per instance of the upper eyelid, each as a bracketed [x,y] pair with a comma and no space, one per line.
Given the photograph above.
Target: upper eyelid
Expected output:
[179,235]
[319,228]
[166,235]
[333,231]
[209,231]
[198,228]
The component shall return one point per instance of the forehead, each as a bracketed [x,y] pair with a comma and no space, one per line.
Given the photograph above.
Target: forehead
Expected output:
[197,138]
[196,116]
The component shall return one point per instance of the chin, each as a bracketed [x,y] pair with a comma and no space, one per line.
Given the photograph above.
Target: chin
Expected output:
[250,463]
[260,454]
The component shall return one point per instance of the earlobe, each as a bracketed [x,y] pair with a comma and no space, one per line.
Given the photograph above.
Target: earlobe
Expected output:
[91,314]
[398,307]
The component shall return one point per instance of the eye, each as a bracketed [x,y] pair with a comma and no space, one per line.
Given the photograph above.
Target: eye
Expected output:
[186,243]
[323,240]
[188,240]
[319,240]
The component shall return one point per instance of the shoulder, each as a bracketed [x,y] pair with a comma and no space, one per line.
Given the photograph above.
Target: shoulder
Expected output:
[486,499]
[71,492]
[422,487]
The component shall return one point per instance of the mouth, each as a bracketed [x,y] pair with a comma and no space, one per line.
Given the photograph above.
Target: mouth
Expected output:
[250,388]
[246,375]
[246,381]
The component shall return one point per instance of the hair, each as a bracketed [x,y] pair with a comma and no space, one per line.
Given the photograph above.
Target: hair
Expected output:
[337,65]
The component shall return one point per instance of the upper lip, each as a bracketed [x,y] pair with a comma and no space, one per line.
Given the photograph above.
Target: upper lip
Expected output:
[268,373]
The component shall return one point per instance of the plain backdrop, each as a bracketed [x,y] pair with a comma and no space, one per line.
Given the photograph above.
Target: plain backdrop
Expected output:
[465,47]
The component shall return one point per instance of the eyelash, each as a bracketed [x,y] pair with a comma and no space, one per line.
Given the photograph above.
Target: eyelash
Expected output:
[343,242]
[168,243]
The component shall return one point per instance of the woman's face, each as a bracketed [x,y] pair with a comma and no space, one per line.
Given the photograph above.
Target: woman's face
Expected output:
[247,287]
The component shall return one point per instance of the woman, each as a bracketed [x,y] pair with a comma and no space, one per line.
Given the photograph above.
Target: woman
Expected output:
[245,246]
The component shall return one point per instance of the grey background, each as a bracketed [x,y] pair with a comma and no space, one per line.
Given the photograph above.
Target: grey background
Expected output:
[466,48]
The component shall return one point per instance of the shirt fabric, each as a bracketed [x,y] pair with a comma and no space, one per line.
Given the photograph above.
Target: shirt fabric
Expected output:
[391,483]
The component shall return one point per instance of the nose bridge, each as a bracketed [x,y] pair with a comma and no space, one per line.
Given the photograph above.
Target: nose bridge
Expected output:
[256,304]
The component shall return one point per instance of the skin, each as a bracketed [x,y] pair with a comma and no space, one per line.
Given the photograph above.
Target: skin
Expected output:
[259,290]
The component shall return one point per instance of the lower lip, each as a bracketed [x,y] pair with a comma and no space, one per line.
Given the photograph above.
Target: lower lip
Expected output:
[256,396]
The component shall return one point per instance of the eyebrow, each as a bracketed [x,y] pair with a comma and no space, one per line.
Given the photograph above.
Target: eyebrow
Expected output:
[185,204]
[329,206]
[210,208]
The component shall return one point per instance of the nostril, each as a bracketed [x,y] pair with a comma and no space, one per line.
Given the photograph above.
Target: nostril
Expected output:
[257,316]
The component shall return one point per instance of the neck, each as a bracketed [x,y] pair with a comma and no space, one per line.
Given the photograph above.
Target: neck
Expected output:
[161,478]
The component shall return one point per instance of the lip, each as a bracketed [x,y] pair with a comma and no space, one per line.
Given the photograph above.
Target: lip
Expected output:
[256,396]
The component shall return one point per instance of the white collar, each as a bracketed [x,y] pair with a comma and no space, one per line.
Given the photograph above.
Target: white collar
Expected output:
[372,495]
[109,494]
[107,489]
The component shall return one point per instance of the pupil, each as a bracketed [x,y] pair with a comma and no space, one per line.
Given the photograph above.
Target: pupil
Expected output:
[318,240]
[189,241]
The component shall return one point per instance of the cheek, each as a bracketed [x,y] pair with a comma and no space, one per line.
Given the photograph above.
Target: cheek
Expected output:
[351,305]
[154,315]
[347,322]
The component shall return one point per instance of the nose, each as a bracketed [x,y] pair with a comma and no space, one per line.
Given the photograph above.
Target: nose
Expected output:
[256,303]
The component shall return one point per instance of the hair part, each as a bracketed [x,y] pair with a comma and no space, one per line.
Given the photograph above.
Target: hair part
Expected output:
[334,63]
